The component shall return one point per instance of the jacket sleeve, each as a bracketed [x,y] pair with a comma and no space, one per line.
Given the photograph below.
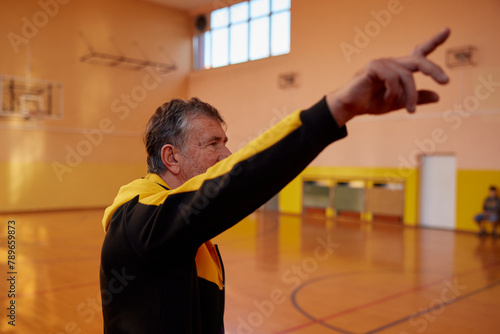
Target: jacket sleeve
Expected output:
[212,202]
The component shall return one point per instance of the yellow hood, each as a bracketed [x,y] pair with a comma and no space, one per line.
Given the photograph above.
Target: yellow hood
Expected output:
[148,190]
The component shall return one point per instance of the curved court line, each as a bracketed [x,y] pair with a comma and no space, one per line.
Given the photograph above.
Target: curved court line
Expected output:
[307,315]
[394,323]
[320,321]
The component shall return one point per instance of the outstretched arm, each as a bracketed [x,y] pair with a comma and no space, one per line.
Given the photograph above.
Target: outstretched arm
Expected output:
[209,203]
[387,84]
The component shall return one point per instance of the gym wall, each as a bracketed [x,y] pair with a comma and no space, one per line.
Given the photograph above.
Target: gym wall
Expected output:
[81,160]
[331,40]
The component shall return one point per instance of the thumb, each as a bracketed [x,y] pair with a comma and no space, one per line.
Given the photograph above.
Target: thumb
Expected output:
[427,96]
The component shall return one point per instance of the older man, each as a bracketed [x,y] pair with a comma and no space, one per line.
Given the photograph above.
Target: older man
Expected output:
[159,271]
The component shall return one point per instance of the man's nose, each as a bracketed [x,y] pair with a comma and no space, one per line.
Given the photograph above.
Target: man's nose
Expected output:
[224,154]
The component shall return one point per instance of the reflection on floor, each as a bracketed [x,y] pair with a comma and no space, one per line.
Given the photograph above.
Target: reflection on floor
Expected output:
[284,274]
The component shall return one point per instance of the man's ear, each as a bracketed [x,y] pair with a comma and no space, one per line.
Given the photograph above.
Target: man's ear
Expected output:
[168,156]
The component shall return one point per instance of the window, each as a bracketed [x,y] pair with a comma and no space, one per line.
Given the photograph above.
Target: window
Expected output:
[245,31]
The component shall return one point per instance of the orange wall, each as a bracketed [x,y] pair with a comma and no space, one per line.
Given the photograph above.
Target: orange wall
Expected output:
[249,98]
[466,121]
[247,94]
[39,168]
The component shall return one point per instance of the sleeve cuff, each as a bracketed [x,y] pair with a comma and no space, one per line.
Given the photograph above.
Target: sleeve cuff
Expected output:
[320,122]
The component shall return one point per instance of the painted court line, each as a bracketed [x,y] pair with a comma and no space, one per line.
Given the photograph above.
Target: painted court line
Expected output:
[321,322]
[443,304]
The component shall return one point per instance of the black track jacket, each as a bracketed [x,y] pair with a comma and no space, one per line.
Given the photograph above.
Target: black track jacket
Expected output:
[159,271]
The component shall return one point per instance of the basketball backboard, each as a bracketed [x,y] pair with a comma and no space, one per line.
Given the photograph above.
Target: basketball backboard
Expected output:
[30,98]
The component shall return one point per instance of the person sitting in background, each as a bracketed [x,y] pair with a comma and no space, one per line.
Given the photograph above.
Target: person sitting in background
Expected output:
[491,209]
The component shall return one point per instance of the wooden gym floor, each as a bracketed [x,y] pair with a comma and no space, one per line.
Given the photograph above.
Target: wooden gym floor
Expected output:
[284,274]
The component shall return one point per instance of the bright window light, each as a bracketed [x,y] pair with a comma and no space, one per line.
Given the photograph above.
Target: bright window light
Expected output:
[239,43]
[279,5]
[280,33]
[246,31]
[239,12]
[259,38]
[220,47]
[219,18]
[259,8]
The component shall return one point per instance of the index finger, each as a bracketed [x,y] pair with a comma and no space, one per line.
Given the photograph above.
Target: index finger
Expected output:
[430,45]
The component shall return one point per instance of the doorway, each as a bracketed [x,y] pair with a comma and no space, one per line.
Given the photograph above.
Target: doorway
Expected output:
[437,199]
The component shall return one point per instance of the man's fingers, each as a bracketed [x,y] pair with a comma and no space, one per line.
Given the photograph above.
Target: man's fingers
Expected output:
[430,45]
[386,73]
[400,88]
[425,66]
[427,96]
[418,61]
[388,84]
[408,91]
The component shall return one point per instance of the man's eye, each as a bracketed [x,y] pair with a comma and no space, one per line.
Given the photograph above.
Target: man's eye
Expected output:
[214,143]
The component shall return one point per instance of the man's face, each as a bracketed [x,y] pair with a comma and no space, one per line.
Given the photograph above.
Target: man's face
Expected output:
[493,193]
[206,146]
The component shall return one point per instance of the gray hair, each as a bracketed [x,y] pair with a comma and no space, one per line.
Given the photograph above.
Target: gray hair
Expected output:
[170,124]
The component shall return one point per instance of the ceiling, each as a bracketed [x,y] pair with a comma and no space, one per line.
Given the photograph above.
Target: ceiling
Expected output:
[186,5]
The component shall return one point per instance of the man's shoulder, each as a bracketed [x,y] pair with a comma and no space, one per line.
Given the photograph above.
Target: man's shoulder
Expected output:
[147,190]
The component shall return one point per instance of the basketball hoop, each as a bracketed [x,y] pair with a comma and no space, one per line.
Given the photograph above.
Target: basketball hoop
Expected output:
[30,98]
